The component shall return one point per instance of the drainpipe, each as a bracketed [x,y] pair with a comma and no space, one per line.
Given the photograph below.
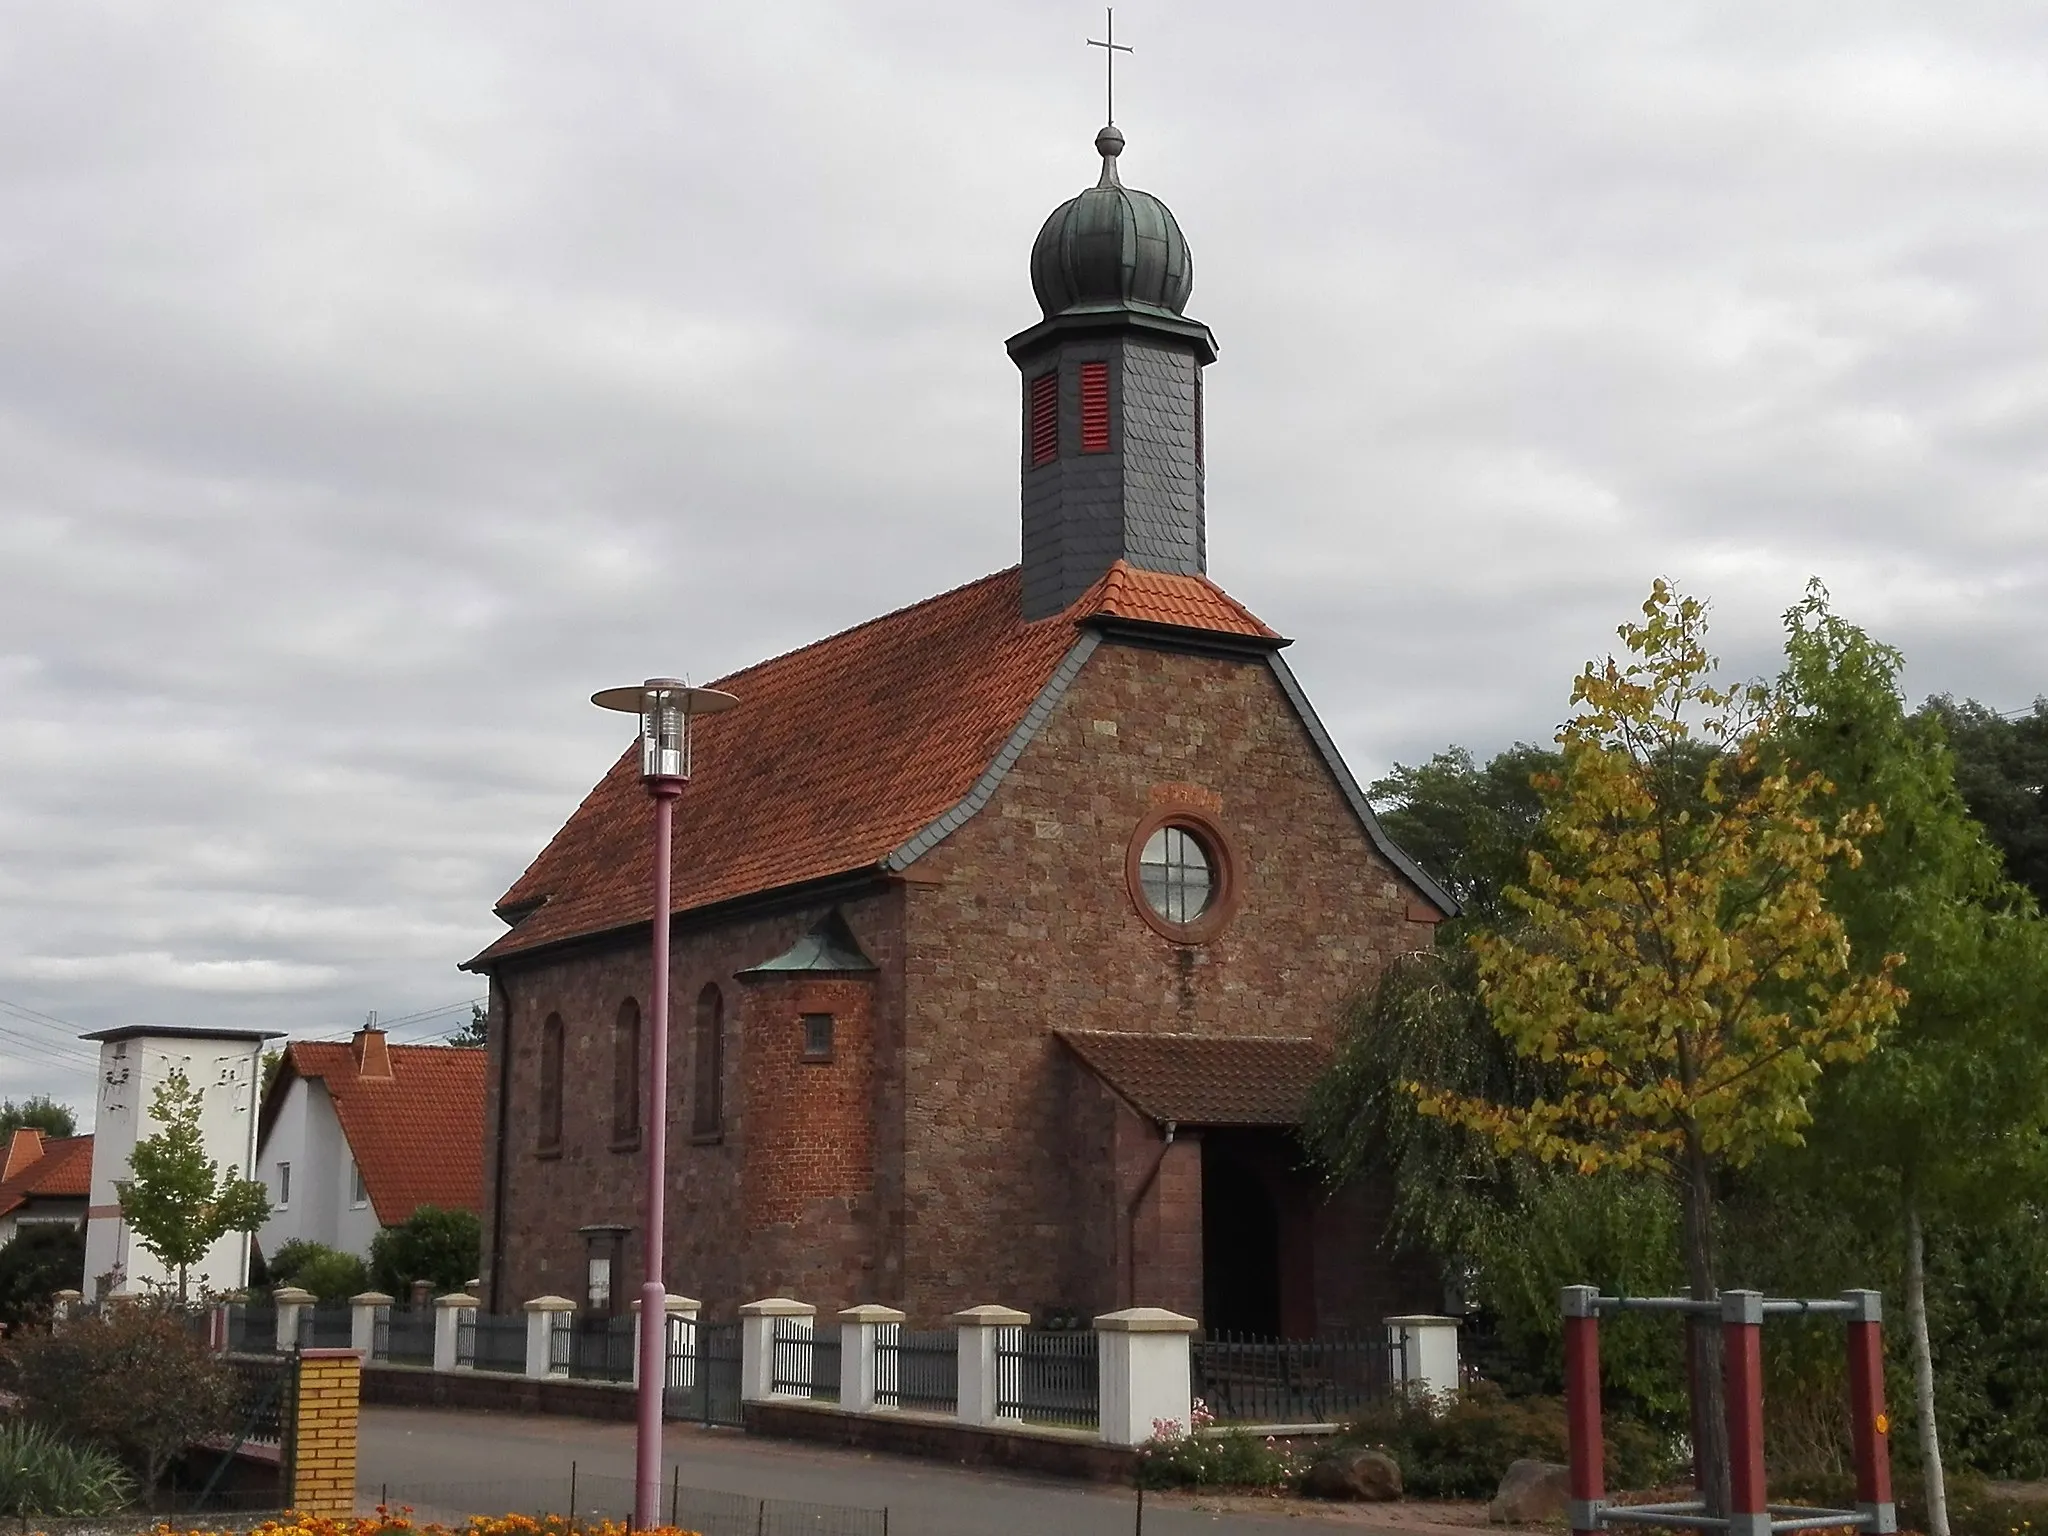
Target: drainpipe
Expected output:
[1131,1217]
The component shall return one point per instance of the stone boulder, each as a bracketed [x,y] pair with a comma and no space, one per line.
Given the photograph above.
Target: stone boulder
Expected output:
[1365,1476]
[1530,1493]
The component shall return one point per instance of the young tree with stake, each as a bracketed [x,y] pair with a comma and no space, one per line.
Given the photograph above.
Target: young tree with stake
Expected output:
[1678,972]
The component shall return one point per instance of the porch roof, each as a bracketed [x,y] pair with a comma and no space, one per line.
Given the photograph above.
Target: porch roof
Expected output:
[1194,1080]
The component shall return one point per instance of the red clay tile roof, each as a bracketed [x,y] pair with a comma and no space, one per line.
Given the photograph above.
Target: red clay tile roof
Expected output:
[63,1172]
[1204,1079]
[838,754]
[418,1136]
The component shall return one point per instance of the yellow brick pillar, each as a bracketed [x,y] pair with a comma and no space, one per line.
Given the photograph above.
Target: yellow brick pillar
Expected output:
[330,1395]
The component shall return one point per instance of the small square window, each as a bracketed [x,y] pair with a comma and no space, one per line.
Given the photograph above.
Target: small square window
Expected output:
[817,1036]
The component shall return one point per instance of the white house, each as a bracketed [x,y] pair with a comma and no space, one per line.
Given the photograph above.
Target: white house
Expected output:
[355,1137]
[226,1067]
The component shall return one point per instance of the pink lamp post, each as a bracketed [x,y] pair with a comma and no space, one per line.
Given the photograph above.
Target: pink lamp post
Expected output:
[665,707]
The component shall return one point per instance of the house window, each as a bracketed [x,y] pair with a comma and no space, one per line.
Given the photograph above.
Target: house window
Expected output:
[1095,407]
[550,1129]
[626,1076]
[598,1287]
[359,1194]
[1045,418]
[817,1036]
[1178,874]
[284,1185]
[707,1118]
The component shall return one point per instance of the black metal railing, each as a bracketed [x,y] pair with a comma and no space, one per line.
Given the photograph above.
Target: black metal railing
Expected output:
[791,1353]
[1250,1380]
[1048,1376]
[601,1348]
[326,1325]
[263,1399]
[487,1343]
[825,1366]
[403,1336]
[252,1330]
[918,1371]
[703,1377]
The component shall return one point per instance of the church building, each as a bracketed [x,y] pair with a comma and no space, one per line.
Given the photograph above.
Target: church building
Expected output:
[1009,929]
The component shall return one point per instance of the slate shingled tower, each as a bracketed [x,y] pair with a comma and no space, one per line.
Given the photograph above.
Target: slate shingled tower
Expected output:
[1112,397]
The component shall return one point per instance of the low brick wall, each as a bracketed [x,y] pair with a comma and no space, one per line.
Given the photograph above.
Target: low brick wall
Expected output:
[1025,1448]
[410,1386]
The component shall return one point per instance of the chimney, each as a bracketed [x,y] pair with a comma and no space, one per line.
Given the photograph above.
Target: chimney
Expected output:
[373,1056]
[24,1147]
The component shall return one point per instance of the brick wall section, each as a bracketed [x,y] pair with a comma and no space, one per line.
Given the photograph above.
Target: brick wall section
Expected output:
[328,1408]
[717,1251]
[1027,925]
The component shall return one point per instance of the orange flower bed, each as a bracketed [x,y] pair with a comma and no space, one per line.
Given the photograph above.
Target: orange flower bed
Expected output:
[399,1522]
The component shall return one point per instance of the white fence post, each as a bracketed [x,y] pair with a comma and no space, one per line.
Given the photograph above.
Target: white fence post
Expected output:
[362,1322]
[858,1327]
[673,1306]
[1145,1375]
[1429,1351]
[757,1343]
[980,1330]
[290,1302]
[448,1312]
[545,1314]
[66,1305]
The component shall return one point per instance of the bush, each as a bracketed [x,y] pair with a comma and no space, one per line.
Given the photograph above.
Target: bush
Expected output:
[327,1272]
[41,1261]
[41,1474]
[134,1381]
[444,1248]
[1175,1458]
[1458,1445]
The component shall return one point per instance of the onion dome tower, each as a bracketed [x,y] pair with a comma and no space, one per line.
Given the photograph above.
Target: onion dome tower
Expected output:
[1112,409]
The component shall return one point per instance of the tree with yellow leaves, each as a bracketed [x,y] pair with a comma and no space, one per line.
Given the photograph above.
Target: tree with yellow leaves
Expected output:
[1676,969]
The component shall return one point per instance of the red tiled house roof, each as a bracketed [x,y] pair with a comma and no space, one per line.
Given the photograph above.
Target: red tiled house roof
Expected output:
[1217,1080]
[417,1135]
[842,752]
[49,1168]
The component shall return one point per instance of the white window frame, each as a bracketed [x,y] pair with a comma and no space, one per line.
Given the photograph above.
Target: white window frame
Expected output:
[359,1192]
[284,1186]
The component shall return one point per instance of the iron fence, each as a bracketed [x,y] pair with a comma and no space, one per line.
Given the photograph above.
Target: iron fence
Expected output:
[703,1376]
[1249,1380]
[584,1499]
[487,1343]
[1048,1376]
[252,1330]
[403,1336]
[601,1348]
[919,1371]
[326,1325]
[825,1366]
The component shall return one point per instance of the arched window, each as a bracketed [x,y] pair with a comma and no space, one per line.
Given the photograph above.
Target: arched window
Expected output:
[550,1139]
[707,1116]
[626,1076]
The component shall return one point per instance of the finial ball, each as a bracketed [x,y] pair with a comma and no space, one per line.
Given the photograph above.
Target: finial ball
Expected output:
[1109,143]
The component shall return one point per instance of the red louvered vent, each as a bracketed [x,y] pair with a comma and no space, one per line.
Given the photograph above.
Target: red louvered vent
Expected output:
[1095,407]
[1045,418]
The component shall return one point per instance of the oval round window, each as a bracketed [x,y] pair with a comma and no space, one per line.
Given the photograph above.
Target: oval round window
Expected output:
[1178,874]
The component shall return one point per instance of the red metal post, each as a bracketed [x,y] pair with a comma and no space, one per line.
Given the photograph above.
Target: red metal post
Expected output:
[1582,1408]
[1869,1425]
[1742,1341]
[654,1292]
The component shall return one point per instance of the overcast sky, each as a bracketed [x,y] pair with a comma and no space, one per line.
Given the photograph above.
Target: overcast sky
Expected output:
[378,379]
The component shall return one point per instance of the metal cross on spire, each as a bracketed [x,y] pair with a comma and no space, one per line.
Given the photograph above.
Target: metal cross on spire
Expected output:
[1110,49]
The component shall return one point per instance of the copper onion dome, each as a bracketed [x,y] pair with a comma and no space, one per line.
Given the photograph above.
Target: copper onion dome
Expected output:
[1111,247]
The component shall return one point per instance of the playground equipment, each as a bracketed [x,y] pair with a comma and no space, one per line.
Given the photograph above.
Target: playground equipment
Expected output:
[1742,1315]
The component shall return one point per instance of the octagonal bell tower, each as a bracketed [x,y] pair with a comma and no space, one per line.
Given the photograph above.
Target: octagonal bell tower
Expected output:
[1112,394]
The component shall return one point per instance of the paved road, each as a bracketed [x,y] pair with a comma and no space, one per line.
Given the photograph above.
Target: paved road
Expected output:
[445,1463]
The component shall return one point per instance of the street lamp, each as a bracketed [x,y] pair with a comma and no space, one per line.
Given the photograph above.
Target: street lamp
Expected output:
[665,707]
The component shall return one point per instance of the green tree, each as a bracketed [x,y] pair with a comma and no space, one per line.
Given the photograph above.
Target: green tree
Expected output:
[41,1113]
[1679,970]
[1470,825]
[476,1034]
[328,1273]
[2001,765]
[1948,1119]
[179,1202]
[43,1259]
[442,1247]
